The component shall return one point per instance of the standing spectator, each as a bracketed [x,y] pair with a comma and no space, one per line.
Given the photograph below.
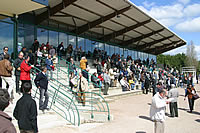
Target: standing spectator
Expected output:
[60,49]
[82,87]
[52,51]
[76,50]
[142,79]
[17,64]
[5,120]
[157,111]
[83,65]
[25,71]
[44,52]
[69,51]
[48,46]
[147,83]
[106,78]
[55,60]
[190,93]
[112,77]
[6,74]
[154,86]
[35,46]
[99,68]
[72,67]
[25,111]
[5,51]
[24,51]
[173,93]
[49,66]
[41,82]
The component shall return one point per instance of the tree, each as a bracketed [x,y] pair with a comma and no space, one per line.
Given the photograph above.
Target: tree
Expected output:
[191,54]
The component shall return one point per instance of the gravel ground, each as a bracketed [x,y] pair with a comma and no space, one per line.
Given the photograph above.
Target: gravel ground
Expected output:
[131,115]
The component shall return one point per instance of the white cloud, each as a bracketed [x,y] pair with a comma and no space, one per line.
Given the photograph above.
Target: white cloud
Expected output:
[189,25]
[192,10]
[183,50]
[167,15]
[148,4]
[177,50]
[184,1]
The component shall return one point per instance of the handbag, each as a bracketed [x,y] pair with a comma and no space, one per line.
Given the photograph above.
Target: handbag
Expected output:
[195,97]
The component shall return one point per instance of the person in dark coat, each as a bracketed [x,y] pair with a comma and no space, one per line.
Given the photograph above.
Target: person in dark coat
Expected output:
[99,68]
[60,49]
[25,111]
[17,64]
[6,125]
[41,82]
[147,83]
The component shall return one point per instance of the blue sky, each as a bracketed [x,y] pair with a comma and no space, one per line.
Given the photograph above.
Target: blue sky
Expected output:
[180,16]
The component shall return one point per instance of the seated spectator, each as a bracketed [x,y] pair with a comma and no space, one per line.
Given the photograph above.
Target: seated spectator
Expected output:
[95,79]
[131,83]
[5,120]
[124,84]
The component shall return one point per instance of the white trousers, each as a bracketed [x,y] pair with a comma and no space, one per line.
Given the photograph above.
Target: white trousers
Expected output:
[10,81]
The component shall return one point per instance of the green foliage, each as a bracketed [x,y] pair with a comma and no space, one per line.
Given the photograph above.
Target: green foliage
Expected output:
[176,61]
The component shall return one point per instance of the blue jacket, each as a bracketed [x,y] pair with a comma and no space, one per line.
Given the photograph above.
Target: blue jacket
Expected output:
[48,63]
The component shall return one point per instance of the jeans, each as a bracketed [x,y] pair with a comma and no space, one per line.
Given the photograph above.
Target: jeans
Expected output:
[43,93]
[10,82]
[106,86]
[173,109]
[132,86]
[17,83]
[191,103]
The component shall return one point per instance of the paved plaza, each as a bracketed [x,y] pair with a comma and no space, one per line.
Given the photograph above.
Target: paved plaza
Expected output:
[131,115]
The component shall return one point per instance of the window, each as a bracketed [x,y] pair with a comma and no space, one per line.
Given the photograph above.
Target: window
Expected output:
[63,38]
[121,51]
[72,41]
[81,43]
[6,37]
[88,45]
[112,50]
[101,46]
[107,49]
[42,35]
[53,38]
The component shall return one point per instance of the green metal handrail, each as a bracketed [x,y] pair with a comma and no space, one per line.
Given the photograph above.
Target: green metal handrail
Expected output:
[95,100]
[54,96]
[90,75]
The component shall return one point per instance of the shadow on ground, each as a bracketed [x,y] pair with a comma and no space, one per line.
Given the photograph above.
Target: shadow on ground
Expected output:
[193,112]
[140,132]
[197,120]
[145,117]
[149,103]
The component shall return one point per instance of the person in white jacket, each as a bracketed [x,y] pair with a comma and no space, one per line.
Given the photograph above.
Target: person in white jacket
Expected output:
[157,111]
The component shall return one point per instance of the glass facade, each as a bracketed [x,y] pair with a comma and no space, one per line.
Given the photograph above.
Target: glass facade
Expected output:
[26,34]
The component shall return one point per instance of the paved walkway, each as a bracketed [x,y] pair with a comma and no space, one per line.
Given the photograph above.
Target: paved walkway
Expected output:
[131,115]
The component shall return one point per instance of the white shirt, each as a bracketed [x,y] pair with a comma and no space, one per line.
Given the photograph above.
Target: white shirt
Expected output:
[157,110]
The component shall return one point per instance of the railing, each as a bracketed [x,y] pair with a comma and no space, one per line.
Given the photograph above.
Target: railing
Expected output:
[80,70]
[66,102]
[68,71]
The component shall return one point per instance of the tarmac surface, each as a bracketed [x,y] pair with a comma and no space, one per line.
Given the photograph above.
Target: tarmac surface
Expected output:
[131,115]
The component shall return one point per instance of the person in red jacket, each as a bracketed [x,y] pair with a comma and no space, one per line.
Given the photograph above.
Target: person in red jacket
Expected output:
[101,80]
[25,71]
